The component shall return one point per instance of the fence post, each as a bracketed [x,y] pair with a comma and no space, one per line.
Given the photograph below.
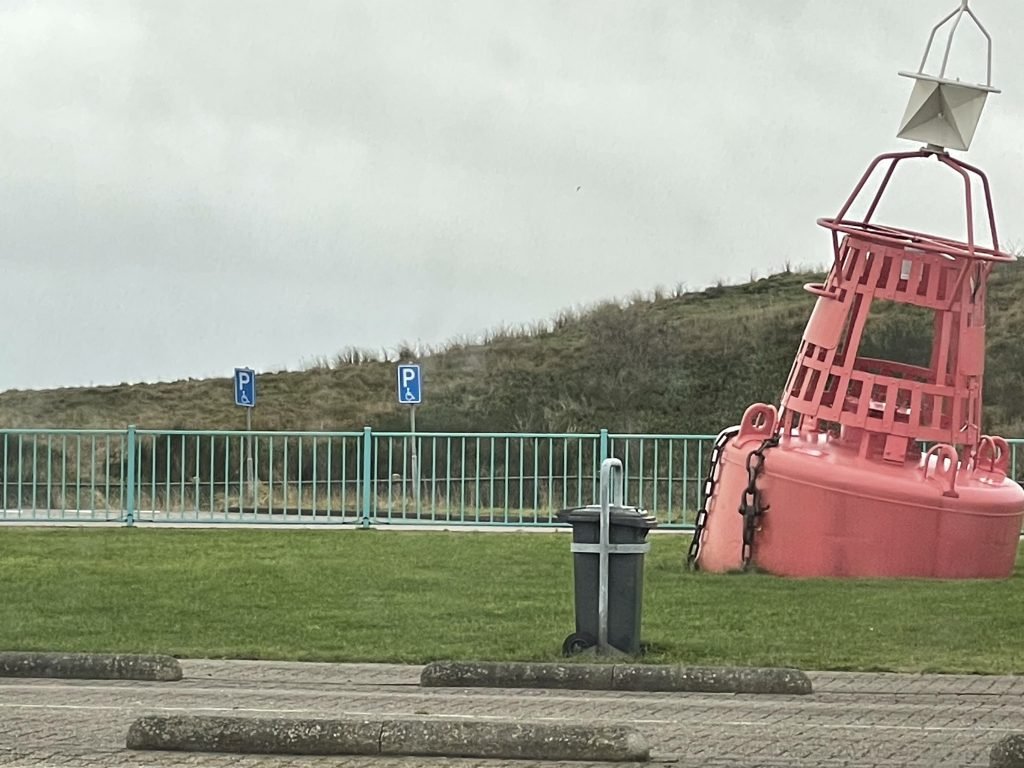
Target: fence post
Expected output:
[129,503]
[604,446]
[367,471]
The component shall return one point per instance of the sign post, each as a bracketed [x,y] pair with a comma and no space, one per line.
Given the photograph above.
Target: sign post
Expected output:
[245,396]
[410,392]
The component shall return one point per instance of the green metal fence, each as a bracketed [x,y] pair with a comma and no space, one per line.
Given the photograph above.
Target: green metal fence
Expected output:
[363,477]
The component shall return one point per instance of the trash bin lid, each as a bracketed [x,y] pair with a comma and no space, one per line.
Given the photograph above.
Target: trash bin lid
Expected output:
[632,517]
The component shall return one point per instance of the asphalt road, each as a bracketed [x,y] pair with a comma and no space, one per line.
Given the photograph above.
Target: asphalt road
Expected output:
[852,719]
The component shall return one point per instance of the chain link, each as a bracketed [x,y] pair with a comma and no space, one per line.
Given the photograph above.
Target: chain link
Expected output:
[709,489]
[752,507]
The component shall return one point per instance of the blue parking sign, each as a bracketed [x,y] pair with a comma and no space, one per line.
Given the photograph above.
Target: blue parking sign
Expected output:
[245,387]
[410,385]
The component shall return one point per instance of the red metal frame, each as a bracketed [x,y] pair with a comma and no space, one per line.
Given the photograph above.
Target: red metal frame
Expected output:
[901,237]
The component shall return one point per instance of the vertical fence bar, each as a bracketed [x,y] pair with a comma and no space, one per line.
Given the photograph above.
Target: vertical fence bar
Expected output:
[668,490]
[476,492]
[106,475]
[213,475]
[522,472]
[551,479]
[4,502]
[375,464]
[462,481]
[49,477]
[182,453]
[626,446]
[686,473]
[78,474]
[315,441]
[433,477]
[152,469]
[579,472]
[35,473]
[240,467]
[565,474]
[537,480]
[298,480]
[367,470]
[129,511]
[505,466]
[640,473]
[270,475]
[448,478]
[164,506]
[700,463]
[63,475]
[227,477]
[490,500]
[196,488]
[344,478]
[391,479]
[407,476]
[654,481]
[92,476]
[21,473]
[284,478]
[330,482]
[256,450]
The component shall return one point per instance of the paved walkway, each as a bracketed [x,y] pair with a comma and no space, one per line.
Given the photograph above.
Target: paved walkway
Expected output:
[852,719]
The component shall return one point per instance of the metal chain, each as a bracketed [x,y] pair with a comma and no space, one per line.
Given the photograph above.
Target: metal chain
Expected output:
[752,506]
[709,489]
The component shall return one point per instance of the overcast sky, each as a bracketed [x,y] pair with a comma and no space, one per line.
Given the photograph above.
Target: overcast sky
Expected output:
[186,187]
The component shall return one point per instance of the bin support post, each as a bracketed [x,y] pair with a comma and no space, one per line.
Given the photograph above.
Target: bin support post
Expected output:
[611,482]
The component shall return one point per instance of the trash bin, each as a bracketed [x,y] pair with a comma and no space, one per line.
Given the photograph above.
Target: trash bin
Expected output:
[627,526]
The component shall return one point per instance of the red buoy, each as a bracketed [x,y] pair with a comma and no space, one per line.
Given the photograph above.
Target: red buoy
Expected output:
[873,467]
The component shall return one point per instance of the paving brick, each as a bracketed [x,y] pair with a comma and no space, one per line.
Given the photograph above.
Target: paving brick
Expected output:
[853,720]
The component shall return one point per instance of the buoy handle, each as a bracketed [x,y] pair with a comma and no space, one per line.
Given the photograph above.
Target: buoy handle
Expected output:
[993,454]
[759,421]
[945,467]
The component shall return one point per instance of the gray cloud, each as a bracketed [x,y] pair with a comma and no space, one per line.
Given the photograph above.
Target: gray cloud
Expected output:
[191,186]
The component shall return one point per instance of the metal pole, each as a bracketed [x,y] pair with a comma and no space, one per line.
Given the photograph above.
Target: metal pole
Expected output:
[604,542]
[415,461]
[249,473]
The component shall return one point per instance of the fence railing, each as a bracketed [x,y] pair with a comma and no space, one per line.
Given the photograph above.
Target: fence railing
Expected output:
[361,477]
[364,477]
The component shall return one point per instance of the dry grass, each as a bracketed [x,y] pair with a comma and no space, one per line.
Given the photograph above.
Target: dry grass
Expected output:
[668,362]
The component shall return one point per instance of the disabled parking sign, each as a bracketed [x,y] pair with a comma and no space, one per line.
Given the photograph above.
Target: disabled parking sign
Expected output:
[245,387]
[410,385]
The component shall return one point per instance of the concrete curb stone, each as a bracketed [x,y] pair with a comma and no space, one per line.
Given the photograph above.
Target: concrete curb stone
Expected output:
[510,740]
[440,674]
[89,666]
[618,677]
[773,680]
[255,735]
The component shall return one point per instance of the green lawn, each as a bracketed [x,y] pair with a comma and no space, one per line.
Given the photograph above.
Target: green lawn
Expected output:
[413,597]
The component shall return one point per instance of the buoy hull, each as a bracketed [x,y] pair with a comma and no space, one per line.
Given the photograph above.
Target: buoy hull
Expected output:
[833,514]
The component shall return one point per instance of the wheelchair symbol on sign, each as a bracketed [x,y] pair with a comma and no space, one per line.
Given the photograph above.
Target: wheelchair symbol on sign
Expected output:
[410,390]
